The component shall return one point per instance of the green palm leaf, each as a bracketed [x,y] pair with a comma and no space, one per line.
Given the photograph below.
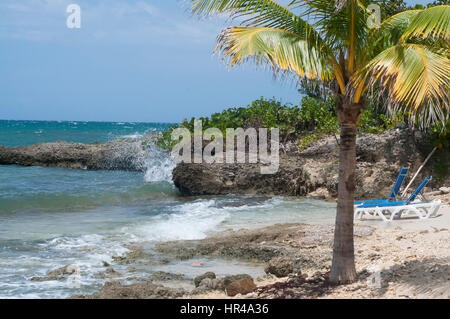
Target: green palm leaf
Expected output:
[343,25]
[266,13]
[392,29]
[416,77]
[283,50]
[432,23]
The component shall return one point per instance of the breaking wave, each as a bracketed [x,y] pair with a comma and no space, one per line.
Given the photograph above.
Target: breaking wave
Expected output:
[158,165]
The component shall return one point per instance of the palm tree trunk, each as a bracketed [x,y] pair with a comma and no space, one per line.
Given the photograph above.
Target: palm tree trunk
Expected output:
[343,266]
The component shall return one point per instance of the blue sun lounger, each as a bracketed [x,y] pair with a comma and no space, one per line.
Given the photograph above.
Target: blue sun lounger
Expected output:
[403,208]
[394,191]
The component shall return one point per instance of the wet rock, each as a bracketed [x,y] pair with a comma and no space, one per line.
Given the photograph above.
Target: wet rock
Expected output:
[48,278]
[58,274]
[280,267]
[246,244]
[148,290]
[108,273]
[198,279]
[209,284]
[242,286]
[66,270]
[134,256]
[165,276]
[232,247]
[213,284]
[114,155]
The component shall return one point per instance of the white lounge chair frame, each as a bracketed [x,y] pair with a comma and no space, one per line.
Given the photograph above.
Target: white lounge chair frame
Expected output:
[387,213]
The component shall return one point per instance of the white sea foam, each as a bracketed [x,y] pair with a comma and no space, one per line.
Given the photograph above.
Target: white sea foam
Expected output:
[85,253]
[197,219]
[100,248]
[159,165]
[184,222]
[134,136]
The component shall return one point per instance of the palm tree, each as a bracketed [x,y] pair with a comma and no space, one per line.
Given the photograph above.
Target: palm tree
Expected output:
[406,57]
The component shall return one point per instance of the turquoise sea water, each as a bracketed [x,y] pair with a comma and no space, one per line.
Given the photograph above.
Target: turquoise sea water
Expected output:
[18,133]
[52,217]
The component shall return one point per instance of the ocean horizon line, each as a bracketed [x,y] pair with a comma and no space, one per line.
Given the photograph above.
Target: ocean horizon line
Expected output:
[83,121]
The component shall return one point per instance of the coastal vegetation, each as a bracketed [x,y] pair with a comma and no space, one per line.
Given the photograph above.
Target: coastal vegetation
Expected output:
[303,123]
[404,58]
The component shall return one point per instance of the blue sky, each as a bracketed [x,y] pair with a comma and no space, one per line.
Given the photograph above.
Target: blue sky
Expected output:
[132,60]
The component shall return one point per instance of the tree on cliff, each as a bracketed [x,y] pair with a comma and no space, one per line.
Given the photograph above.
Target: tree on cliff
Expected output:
[337,43]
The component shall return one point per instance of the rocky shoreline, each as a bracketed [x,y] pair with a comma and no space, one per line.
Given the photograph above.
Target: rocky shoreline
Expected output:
[314,171]
[296,257]
[115,155]
[391,263]
[283,249]
[310,172]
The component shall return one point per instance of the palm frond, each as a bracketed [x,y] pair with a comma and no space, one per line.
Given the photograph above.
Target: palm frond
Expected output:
[392,29]
[342,24]
[432,23]
[416,77]
[261,13]
[282,50]
[266,13]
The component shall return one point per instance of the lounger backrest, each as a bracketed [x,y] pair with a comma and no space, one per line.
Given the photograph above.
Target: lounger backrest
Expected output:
[398,183]
[419,189]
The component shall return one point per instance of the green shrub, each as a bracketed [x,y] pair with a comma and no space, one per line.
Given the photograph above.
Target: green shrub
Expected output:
[315,117]
[165,141]
[374,121]
[267,113]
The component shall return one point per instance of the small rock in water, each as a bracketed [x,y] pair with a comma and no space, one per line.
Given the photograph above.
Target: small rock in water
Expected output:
[66,270]
[165,276]
[199,279]
[47,278]
[108,273]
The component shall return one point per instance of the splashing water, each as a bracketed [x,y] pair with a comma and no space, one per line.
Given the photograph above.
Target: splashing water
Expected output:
[158,165]
[187,221]
[142,154]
